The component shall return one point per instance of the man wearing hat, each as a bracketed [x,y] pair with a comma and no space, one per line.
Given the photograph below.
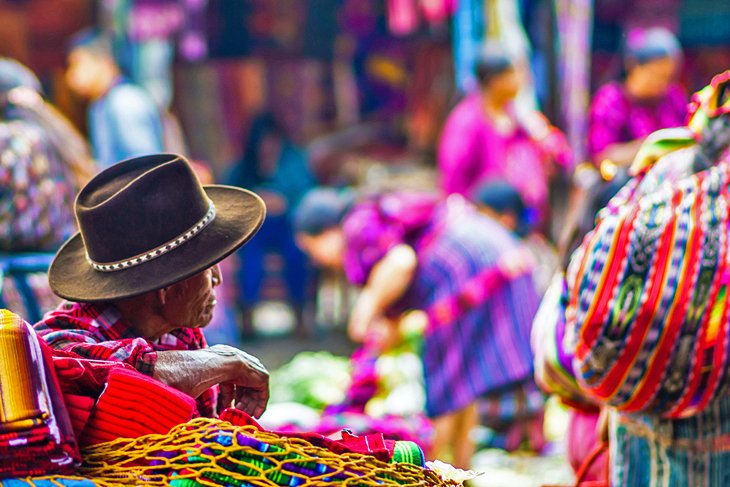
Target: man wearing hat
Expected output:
[140,277]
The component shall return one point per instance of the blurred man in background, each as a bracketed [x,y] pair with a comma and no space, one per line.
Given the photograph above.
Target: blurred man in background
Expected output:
[123,119]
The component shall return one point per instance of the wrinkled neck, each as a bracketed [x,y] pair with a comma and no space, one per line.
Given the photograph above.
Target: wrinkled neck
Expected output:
[143,317]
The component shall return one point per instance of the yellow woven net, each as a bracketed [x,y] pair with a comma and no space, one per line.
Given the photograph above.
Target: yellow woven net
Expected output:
[210,452]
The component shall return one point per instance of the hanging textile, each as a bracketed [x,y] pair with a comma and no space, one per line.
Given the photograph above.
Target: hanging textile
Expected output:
[468,33]
[437,11]
[143,34]
[193,45]
[406,16]
[575,20]
[402,16]
[504,26]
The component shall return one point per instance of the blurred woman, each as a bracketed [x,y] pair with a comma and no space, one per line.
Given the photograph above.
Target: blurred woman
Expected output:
[486,139]
[44,162]
[418,251]
[646,99]
[278,170]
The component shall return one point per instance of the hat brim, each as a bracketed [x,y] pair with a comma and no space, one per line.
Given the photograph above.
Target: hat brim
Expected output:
[239,215]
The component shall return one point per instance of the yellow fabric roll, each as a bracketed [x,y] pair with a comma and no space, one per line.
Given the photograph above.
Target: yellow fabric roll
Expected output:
[22,403]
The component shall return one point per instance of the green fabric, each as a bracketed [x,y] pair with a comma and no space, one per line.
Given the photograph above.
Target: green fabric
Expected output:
[408,452]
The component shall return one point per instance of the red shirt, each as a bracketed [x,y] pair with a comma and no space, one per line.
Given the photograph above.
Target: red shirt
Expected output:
[97,331]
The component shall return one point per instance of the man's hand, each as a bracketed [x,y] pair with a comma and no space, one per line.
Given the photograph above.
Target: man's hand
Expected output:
[243,379]
[248,388]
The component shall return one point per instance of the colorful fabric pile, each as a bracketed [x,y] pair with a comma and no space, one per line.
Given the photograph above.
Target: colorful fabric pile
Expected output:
[376,445]
[649,284]
[215,452]
[36,436]
[137,413]
[109,400]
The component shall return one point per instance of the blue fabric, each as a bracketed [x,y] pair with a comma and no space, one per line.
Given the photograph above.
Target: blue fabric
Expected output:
[293,177]
[46,483]
[468,33]
[291,180]
[23,270]
[276,235]
[487,348]
[124,123]
[649,451]
[25,262]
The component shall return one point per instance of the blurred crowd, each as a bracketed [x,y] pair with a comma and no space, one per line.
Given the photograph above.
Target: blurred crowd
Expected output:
[454,272]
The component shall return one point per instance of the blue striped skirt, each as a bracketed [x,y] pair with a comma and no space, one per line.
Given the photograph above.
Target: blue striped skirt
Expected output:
[647,451]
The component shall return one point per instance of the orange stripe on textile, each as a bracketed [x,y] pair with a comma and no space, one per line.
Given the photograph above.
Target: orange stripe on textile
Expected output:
[651,383]
[642,318]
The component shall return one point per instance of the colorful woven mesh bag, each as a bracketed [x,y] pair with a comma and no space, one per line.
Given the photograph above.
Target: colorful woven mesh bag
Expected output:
[649,307]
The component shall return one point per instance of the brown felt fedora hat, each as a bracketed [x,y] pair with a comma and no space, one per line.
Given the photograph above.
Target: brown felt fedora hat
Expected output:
[146,223]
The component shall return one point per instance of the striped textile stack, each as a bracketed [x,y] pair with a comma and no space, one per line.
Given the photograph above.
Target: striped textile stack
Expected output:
[36,437]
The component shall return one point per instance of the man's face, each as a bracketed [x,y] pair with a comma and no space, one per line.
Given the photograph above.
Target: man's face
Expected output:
[84,72]
[326,249]
[655,77]
[190,303]
[505,86]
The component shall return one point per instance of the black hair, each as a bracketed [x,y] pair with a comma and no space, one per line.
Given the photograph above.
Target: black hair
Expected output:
[493,61]
[322,209]
[247,170]
[503,198]
[94,41]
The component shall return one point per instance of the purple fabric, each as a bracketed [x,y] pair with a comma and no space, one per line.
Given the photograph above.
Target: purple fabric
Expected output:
[376,225]
[616,118]
[472,152]
[565,355]
[486,348]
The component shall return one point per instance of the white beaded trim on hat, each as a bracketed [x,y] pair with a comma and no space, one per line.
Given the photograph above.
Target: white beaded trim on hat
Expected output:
[157,252]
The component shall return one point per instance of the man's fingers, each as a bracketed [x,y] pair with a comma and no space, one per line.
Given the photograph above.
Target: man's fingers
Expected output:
[251,407]
[227,395]
[252,401]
